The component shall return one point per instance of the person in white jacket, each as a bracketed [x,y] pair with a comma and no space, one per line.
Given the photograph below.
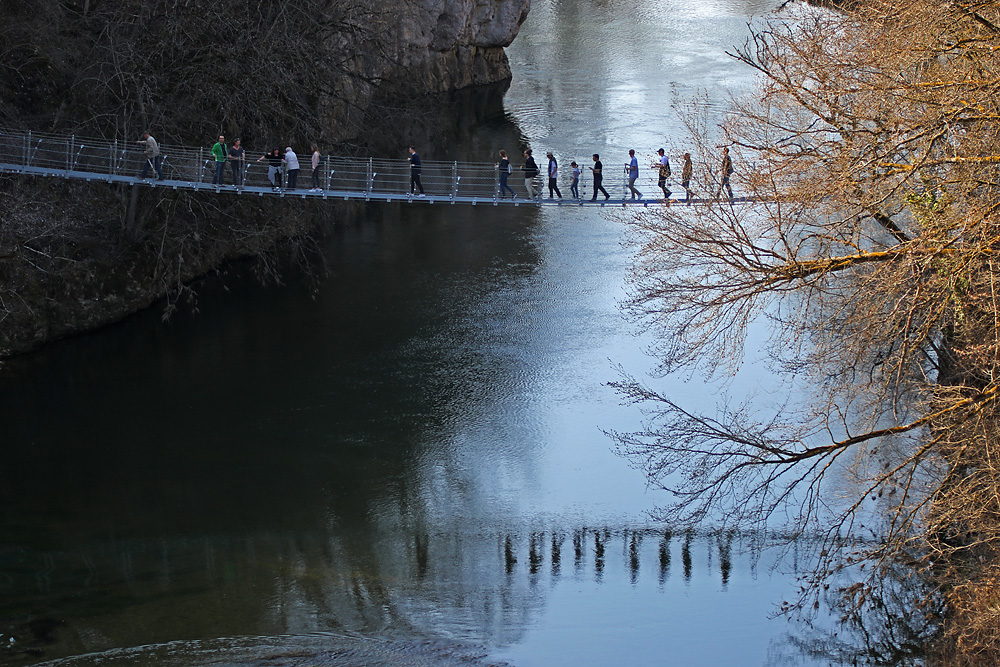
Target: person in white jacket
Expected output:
[291,167]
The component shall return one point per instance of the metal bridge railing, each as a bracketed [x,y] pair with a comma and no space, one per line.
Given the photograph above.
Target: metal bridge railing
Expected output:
[352,177]
[98,157]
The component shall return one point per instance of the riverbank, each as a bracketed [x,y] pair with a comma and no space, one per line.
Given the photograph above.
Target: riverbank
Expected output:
[71,262]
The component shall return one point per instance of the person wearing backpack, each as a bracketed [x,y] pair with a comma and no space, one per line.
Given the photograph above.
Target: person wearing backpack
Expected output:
[505,170]
[664,167]
[575,183]
[530,170]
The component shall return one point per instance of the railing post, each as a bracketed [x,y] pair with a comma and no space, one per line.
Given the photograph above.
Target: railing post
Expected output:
[496,182]
[201,163]
[454,180]
[371,179]
[27,147]
[329,172]
[69,151]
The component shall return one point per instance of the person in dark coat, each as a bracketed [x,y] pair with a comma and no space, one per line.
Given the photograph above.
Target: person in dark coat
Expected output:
[598,170]
[415,172]
[530,170]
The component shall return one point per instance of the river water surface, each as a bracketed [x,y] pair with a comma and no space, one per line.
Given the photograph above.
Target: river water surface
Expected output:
[408,466]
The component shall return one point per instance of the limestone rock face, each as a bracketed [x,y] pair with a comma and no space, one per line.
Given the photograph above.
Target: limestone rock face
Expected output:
[415,48]
[449,44]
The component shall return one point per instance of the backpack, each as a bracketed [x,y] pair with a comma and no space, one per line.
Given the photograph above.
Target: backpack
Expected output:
[665,169]
[510,168]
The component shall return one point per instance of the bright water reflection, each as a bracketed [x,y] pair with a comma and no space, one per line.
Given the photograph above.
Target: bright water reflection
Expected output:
[416,452]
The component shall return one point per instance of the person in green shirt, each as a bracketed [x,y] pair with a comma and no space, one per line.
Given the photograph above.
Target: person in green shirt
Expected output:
[220,151]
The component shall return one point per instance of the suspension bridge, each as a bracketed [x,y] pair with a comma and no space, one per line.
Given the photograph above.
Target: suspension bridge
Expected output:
[340,178]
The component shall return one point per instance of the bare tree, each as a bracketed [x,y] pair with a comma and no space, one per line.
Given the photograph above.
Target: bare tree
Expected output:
[306,69]
[871,151]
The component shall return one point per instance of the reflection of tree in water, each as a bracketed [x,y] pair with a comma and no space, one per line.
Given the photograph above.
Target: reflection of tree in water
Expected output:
[887,623]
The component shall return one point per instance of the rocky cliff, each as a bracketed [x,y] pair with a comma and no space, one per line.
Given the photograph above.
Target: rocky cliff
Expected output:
[458,43]
[427,46]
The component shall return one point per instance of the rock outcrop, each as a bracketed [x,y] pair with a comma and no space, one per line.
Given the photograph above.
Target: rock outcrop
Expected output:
[432,46]
[457,43]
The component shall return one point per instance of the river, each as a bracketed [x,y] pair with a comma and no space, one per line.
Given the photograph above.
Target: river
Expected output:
[407,465]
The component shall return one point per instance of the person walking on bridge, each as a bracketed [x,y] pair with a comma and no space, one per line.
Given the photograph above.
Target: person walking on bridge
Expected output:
[663,167]
[291,167]
[530,170]
[632,169]
[504,169]
[575,183]
[553,176]
[598,170]
[686,172]
[220,151]
[415,171]
[151,151]
[725,171]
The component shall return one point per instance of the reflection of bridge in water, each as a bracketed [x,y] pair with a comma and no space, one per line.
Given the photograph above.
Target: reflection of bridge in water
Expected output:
[343,178]
[484,582]
[585,551]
